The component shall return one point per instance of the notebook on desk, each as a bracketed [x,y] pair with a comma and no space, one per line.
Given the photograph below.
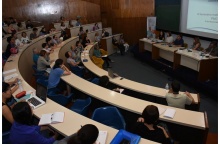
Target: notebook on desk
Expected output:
[39,99]
[111,74]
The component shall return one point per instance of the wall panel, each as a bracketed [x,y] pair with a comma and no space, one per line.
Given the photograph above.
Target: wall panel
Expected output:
[47,11]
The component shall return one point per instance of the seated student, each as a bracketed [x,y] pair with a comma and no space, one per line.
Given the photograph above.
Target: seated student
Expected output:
[20,26]
[34,35]
[123,43]
[104,33]
[212,49]
[196,44]
[79,46]
[11,29]
[62,19]
[48,51]
[66,36]
[17,41]
[88,134]
[74,66]
[98,54]
[11,45]
[12,20]
[56,40]
[78,22]
[29,25]
[81,32]
[175,99]
[161,36]
[86,41]
[24,38]
[22,131]
[7,118]
[36,55]
[120,46]
[63,27]
[57,71]
[95,27]
[169,38]
[97,38]
[42,63]
[75,53]
[179,42]
[146,126]
[43,31]
[49,42]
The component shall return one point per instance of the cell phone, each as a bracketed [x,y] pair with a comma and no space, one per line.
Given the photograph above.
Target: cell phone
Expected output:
[121,78]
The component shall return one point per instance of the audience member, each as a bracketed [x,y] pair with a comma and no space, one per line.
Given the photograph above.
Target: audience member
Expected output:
[63,27]
[88,134]
[120,46]
[75,53]
[79,46]
[20,26]
[36,55]
[179,41]
[95,27]
[57,71]
[161,36]
[49,42]
[212,49]
[169,38]
[66,36]
[7,118]
[78,22]
[146,126]
[17,41]
[196,44]
[123,43]
[62,19]
[34,35]
[42,63]
[12,20]
[175,99]
[81,32]
[22,131]
[104,33]
[29,25]
[48,51]
[24,38]
[56,40]
[98,54]
[86,41]
[43,31]
[11,48]
[97,38]
[11,29]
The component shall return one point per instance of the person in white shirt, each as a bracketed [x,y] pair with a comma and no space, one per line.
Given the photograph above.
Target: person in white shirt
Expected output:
[17,41]
[169,38]
[24,37]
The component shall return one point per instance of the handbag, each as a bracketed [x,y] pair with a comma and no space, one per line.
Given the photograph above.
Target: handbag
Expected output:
[14,50]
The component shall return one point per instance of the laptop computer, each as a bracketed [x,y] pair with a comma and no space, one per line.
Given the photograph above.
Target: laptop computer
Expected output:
[40,98]
[111,74]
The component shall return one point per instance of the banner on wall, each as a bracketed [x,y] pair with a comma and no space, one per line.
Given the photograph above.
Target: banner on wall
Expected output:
[151,23]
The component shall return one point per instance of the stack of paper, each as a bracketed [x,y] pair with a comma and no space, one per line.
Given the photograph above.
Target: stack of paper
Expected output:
[102,137]
[169,113]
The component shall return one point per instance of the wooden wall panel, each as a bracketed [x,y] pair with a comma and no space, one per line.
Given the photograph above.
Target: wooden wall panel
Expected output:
[47,11]
[130,17]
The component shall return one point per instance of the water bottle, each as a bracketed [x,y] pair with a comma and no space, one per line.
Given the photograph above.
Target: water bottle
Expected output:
[167,87]
[20,85]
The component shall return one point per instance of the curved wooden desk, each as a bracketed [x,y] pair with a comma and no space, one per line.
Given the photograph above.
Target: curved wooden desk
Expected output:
[129,84]
[183,118]
[72,121]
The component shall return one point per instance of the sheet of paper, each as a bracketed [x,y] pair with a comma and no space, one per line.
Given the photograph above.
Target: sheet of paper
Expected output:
[9,77]
[102,137]
[9,71]
[121,90]
[161,110]
[169,113]
[45,119]
[104,56]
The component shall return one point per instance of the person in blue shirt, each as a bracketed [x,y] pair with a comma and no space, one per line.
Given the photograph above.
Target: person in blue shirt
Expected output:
[179,41]
[22,131]
[36,55]
[78,22]
[57,71]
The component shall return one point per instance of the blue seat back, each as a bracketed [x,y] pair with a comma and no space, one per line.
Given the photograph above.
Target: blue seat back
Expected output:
[95,81]
[43,82]
[76,70]
[81,106]
[109,116]
[59,98]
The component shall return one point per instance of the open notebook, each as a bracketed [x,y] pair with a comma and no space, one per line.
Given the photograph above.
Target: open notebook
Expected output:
[51,118]
[102,137]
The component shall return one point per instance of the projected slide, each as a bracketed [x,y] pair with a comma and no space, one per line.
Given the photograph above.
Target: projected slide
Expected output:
[203,16]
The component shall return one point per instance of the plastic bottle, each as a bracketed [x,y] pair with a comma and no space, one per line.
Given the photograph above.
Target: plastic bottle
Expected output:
[167,87]
[20,86]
